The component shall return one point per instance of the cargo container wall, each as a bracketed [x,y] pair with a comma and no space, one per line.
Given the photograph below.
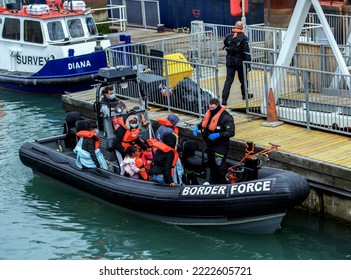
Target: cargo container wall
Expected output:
[180,13]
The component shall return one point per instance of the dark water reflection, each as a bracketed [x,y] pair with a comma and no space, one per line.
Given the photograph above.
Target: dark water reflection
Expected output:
[82,227]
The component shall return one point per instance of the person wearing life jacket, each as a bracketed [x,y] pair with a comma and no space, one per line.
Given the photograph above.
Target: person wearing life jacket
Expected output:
[167,125]
[87,149]
[127,134]
[237,46]
[217,128]
[165,159]
[133,164]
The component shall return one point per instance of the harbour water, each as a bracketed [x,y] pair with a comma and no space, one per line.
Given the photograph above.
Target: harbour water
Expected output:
[42,219]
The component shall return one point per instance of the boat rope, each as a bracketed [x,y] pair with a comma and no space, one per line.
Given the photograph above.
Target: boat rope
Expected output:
[249,151]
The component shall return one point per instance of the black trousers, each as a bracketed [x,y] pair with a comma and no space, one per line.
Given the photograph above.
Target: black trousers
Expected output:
[217,165]
[230,79]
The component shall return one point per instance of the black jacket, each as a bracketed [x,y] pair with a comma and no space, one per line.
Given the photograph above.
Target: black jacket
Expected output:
[237,48]
[226,129]
[163,161]
[113,102]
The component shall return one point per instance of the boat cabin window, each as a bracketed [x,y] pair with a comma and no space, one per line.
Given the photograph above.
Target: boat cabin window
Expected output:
[11,29]
[91,25]
[32,32]
[55,31]
[75,28]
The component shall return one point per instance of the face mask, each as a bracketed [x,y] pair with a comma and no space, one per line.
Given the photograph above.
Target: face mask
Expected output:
[134,125]
[112,96]
[97,131]
[211,108]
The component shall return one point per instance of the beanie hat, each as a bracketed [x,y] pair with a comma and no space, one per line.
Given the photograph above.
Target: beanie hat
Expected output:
[91,125]
[173,119]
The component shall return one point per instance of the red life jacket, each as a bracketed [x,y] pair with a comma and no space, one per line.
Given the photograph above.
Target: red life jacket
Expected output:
[130,135]
[214,120]
[165,148]
[166,122]
[89,134]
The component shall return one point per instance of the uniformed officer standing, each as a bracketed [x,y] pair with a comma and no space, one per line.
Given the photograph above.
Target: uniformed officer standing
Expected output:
[237,46]
[217,128]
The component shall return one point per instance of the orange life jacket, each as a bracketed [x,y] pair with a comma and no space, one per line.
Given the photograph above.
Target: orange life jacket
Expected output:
[165,148]
[166,122]
[89,134]
[214,120]
[147,158]
[236,31]
[140,164]
[116,123]
[130,136]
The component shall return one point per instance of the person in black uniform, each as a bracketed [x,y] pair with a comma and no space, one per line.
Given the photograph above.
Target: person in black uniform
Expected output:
[217,128]
[237,46]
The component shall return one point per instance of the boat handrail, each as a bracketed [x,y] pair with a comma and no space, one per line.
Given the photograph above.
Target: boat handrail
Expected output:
[77,41]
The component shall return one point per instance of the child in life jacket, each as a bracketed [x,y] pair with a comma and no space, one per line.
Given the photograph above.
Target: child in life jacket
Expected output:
[130,165]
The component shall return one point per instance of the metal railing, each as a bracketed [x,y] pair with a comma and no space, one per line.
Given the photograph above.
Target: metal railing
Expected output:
[196,48]
[170,82]
[311,92]
[340,24]
[303,96]
[116,16]
[141,13]
[265,42]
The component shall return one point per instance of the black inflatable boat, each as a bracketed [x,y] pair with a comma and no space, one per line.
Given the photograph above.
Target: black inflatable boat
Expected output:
[255,199]
[256,202]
